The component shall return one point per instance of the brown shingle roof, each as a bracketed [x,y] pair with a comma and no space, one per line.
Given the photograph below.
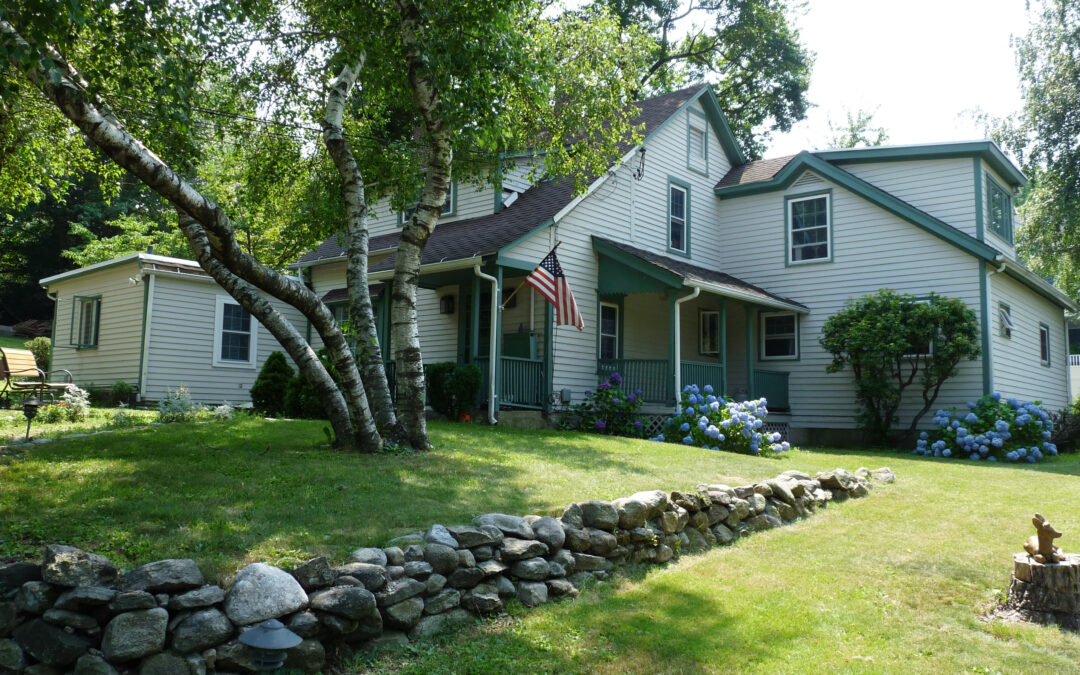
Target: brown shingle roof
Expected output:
[754,172]
[487,234]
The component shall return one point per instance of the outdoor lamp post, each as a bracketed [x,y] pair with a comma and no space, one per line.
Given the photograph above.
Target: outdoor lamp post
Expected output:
[267,644]
[29,410]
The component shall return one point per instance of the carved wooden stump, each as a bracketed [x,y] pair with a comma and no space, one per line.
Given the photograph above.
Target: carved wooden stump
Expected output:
[1047,593]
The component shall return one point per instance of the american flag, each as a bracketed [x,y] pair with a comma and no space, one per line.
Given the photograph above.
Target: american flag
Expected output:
[548,278]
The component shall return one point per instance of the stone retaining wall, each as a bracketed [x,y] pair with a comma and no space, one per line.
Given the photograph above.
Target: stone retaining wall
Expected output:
[75,612]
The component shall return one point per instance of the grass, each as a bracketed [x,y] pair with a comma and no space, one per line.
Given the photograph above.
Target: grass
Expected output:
[9,341]
[892,583]
[13,423]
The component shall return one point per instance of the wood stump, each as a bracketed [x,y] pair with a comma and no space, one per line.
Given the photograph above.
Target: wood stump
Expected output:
[1046,592]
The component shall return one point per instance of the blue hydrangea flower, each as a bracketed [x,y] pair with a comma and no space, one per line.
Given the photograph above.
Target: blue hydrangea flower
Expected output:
[971,418]
[996,396]
[708,389]
[687,440]
[685,426]
[923,435]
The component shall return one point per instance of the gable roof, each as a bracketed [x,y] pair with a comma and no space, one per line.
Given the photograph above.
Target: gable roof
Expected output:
[148,263]
[538,205]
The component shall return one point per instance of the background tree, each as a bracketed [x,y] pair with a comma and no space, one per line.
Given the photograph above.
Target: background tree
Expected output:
[892,341]
[857,132]
[748,49]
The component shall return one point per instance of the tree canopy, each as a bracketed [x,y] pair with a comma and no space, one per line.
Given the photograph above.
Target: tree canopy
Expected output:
[857,132]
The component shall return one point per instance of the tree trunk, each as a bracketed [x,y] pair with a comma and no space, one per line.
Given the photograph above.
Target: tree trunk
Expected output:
[65,89]
[405,335]
[361,314]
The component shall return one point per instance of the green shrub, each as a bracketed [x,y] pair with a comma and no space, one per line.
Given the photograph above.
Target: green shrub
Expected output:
[717,423]
[40,347]
[610,411]
[122,393]
[452,389]
[177,406]
[300,400]
[268,392]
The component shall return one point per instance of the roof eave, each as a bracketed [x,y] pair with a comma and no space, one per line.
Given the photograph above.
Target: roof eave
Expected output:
[986,149]
[1036,283]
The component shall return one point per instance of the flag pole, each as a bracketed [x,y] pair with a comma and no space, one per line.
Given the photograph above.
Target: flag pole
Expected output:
[509,297]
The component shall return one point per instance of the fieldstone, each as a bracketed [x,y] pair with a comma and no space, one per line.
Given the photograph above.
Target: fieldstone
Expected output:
[632,513]
[202,629]
[786,511]
[351,602]
[482,553]
[697,540]
[688,500]
[884,474]
[9,617]
[699,520]
[858,490]
[438,534]
[561,588]
[471,536]
[443,559]
[741,508]
[486,602]
[599,514]
[763,489]
[133,635]
[492,567]
[573,517]
[757,503]
[442,602]
[371,556]
[465,577]
[436,623]
[512,526]
[536,569]
[796,474]
[564,558]
[519,549]
[549,531]
[373,577]
[12,657]
[838,479]
[577,539]
[232,656]
[601,542]
[415,552]
[532,593]
[13,575]
[781,489]
[723,534]
[466,558]
[504,587]
[162,599]
[84,596]
[305,624]
[390,638]
[92,664]
[664,553]
[64,617]
[262,592]
[315,573]
[34,597]
[716,514]
[435,583]
[166,576]
[395,572]
[163,664]
[669,522]
[196,663]
[556,570]
[744,491]
[69,566]
[126,602]
[338,625]
[309,656]
[404,615]
[418,570]
[398,591]
[394,556]
[405,541]
[583,562]
[200,597]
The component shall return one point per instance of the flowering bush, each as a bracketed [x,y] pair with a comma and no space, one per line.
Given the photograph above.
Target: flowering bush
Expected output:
[610,411]
[52,413]
[715,423]
[177,406]
[223,411]
[76,403]
[993,429]
[122,417]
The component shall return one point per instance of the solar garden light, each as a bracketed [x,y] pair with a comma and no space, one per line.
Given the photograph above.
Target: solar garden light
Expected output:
[29,410]
[267,644]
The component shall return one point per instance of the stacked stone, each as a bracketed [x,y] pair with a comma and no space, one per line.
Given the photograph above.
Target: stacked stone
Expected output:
[76,613]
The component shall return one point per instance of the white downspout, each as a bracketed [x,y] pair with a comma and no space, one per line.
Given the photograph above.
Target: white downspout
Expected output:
[491,343]
[678,341]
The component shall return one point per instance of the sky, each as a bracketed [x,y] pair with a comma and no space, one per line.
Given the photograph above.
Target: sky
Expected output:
[919,65]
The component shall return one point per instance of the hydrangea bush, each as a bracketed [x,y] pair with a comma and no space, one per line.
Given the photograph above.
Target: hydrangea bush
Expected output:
[993,429]
[609,410]
[716,423]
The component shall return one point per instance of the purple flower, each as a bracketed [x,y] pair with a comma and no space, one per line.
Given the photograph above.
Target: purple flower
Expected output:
[637,425]
[630,398]
[604,386]
[615,379]
[615,401]
[601,425]
[588,392]
[637,392]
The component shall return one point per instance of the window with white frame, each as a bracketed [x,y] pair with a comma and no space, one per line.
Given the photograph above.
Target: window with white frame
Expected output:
[809,228]
[609,330]
[449,206]
[678,210]
[1005,324]
[697,143]
[779,336]
[85,317]
[998,210]
[235,335]
[1044,344]
[708,332]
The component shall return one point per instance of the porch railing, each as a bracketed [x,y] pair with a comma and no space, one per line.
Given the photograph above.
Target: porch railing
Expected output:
[702,373]
[1074,359]
[652,376]
[521,382]
[773,386]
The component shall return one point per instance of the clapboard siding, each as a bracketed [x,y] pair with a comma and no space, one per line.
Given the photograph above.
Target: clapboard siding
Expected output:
[1018,371]
[872,249]
[944,188]
[116,356]
[181,343]
[473,200]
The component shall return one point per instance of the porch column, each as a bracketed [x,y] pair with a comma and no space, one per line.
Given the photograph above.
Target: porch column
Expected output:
[498,336]
[474,334]
[723,348]
[549,354]
[673,310]
[751,319]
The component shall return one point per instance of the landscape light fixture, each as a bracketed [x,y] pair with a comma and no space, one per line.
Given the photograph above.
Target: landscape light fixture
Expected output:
[29,410]
[267,644]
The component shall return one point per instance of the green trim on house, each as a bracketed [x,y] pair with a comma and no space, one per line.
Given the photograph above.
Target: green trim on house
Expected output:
[621,273]
[96,267]
[991,185]
[142,334]
[527,236]
[474,335]
[1049,345]
[673,317]
[987,356]
[462,325]
[690,114]
[678,182]
[751,352]
[723,346]
[516,264]
[549,353]
[980,233]
[52,329]
[828,194]
[987,150]
[805,161]
[718,122]
[619,302]
[497,347]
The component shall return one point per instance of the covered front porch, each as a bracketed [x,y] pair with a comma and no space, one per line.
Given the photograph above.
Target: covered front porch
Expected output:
[665,324]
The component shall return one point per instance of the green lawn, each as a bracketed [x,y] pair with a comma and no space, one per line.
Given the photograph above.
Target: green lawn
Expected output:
[892,583]
[15,342]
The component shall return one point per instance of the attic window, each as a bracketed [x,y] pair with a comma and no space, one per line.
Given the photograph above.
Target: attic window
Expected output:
[449,206]
[999,210]
[697,143]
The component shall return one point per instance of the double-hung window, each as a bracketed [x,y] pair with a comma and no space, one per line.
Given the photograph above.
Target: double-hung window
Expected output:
[678,218]
[998,210]
[609,331]
[779,336]
[235,335]
[1044,344]
[85,317]
[1005,326]
[708,332]
[697,142]
[809,228]
[449,206]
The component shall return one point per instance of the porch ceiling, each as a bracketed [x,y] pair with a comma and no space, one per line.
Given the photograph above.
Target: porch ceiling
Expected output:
[627,269]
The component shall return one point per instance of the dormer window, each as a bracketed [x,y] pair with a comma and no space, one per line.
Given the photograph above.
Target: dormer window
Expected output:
[449,206]
[998,210]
